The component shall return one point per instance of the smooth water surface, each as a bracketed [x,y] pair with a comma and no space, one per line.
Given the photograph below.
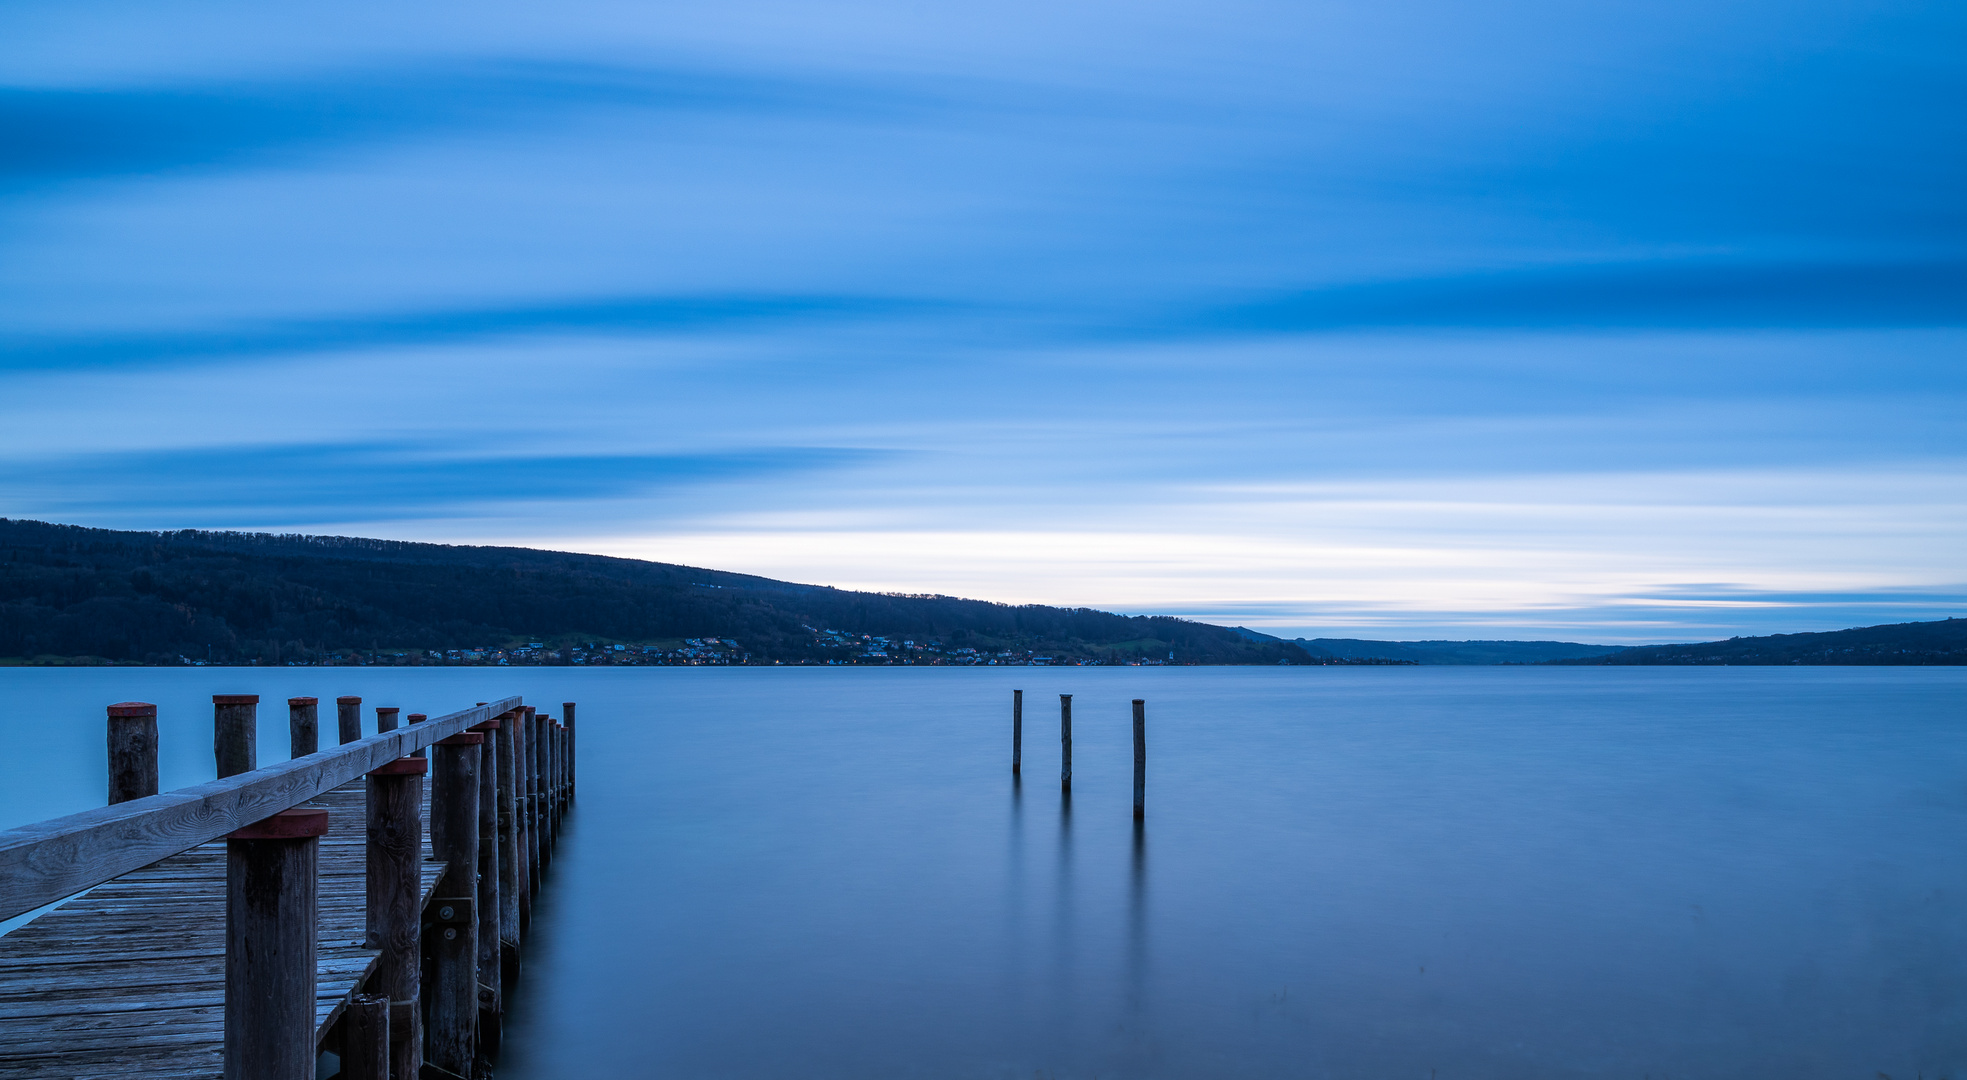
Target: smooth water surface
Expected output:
[1345,872]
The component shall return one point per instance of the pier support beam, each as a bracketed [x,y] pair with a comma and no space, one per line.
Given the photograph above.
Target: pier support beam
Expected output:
[451,1041]
[132,751]
[567,714]
[348,717]
[530,761]
[395,890]
[365,1044]
[491,997]
[272,888]
[235,733]
[509,875]
[303,726]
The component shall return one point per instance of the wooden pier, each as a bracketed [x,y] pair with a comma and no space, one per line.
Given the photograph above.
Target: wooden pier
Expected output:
[368,901]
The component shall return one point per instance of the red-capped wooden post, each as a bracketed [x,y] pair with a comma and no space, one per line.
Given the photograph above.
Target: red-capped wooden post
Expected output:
[451,1041]
[418,718]
[387,717]
[395,892]
[348,717]
[272,888]
[303,726]
[235,733]
[132,751]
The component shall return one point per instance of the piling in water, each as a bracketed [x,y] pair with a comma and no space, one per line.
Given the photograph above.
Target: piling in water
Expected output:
[1065,742]
[1140,758]
[132,751]
[235,733]
[1017,730]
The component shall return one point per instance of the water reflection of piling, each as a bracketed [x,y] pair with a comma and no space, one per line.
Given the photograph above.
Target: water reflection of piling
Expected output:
[1137,919]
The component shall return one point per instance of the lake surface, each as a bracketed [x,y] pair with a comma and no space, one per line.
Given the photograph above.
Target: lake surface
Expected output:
[1345,872]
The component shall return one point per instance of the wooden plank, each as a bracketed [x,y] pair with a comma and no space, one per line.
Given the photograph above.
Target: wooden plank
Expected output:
[42,863]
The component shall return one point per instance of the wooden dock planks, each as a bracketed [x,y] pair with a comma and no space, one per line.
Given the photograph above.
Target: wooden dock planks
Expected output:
[129,980]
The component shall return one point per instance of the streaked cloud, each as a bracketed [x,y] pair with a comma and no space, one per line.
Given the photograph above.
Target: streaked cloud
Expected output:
[1582,321]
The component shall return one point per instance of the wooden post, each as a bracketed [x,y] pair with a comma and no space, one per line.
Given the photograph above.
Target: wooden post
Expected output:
[272,899]
[348,716]
[533,822]
[395,890]
[552,744]
[132,751]
[386,717]
[365,1043]
[567,712]
[549,824]
[416,718]
[490,994]
[451,1041]
[1065,742]
[522,814]
[303,726]
[1017,731]
[1140,758]
[235,733]
[509,875]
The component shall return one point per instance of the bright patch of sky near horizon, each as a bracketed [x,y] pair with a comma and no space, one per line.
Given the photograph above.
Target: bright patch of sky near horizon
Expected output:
[1619,322]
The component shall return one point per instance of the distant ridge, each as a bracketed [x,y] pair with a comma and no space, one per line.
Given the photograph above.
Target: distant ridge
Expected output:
[70,594]
[1456,652]
[1914,643]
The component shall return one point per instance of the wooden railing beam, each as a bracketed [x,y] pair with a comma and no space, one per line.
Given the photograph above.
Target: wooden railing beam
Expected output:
[51,860]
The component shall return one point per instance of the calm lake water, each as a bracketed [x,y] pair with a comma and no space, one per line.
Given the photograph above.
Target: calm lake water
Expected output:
[1345,872]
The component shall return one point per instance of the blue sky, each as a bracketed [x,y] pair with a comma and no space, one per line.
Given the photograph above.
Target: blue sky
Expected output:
[1600,321]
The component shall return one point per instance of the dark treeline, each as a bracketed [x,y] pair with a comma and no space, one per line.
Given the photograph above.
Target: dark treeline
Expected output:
[67,591]
[1943,642]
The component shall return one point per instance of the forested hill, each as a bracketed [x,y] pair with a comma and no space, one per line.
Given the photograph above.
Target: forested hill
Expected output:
[1943,642]
[72,592]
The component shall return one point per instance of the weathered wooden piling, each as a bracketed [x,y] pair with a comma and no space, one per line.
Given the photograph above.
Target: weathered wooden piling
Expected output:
[132,751]
[395,841]
[387,717]
[531,761]
[491,1002]
[235,733]
[567,717]
[451,1041]
[510,876]
[1065,742]
[1017,731]
[272,899]
[1140,758]
[365,1040]
[348,717]
[303,726]
[418,718]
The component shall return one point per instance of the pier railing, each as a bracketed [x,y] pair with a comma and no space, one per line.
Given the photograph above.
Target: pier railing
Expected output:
[427,999]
